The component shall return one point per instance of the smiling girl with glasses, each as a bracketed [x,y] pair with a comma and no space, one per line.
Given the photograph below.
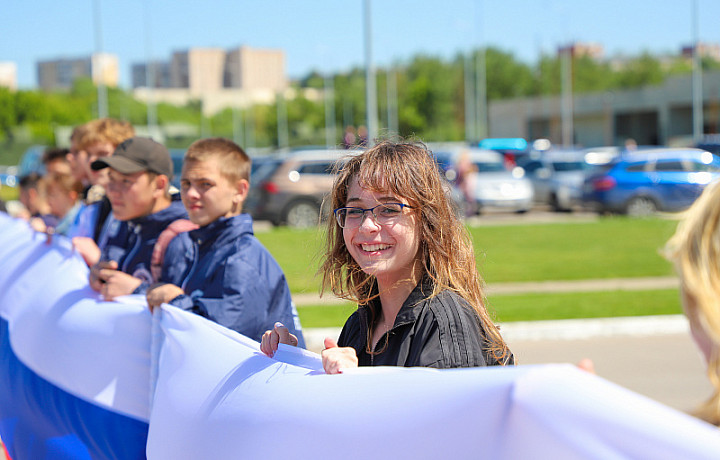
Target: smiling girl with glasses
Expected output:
[397,248]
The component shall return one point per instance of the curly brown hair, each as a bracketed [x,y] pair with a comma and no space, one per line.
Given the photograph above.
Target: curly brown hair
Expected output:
[408,170]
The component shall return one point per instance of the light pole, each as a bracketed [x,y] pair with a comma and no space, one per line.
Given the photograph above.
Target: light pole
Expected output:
[330,130]
[567,95]
[150,74]
[470,134]
[392,102]
[697,98]
[282,124]
[96,66]
[481,82]
[370,86]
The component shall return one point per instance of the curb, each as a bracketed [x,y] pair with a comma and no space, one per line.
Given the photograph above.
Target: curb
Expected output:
[538,287]
[564,329]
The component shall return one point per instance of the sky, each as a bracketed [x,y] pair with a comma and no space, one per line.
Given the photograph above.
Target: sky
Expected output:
[328,35]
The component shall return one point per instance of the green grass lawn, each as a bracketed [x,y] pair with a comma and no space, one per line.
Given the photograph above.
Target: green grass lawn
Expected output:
[608,248]
[533,307]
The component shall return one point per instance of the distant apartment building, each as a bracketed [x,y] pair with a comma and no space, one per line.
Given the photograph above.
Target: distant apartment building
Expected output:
[198,69]
[218,78]
[578,49]
[255,69]
[59,74]
[710,50]
[157,71]
[212,69]
[8,75]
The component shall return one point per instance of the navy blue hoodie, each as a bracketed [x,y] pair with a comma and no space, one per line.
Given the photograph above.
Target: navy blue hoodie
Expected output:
[131,243]
[230,278]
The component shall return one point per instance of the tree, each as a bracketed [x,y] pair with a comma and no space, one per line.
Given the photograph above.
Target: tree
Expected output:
[8,117]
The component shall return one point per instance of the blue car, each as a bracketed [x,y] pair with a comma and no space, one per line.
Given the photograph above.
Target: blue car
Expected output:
[640,184]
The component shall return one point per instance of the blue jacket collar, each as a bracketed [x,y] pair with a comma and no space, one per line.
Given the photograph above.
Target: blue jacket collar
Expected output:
[223,228]
[164,217]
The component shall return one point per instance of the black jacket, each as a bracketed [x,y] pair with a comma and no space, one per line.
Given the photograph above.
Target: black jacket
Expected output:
[441,332]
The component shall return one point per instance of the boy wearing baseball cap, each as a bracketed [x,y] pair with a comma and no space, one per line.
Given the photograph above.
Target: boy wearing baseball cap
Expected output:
[140,170]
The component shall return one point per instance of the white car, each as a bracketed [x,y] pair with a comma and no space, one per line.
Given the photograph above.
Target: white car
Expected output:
[557,177]
[493,185]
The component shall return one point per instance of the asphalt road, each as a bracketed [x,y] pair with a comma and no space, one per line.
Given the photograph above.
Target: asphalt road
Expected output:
[663,367]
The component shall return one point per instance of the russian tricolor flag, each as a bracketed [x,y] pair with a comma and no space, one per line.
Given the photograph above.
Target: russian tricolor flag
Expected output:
[81,378]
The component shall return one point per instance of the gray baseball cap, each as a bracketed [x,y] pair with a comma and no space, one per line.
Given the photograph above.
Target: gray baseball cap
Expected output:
[138,154]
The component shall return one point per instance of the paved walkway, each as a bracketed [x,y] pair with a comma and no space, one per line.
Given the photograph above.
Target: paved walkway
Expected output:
[612,284]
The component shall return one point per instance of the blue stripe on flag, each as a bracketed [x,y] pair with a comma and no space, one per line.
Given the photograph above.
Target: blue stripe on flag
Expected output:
[40,421]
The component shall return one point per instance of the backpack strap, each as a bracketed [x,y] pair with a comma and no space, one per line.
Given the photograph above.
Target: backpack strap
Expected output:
[158,254]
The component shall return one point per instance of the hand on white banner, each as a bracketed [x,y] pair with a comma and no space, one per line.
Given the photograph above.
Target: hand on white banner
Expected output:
[111,282]
[271,339]
[87,248]
[162,293]
[335,358]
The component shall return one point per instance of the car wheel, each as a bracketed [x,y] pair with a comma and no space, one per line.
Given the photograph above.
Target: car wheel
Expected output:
[302,214]
[556,206]
[641,206]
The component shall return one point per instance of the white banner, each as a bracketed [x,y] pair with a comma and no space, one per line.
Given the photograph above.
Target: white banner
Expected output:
[83,378]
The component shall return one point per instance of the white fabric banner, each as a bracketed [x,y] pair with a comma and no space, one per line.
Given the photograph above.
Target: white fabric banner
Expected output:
[197,390]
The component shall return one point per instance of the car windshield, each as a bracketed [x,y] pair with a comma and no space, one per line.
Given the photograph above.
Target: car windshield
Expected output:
[264,170]
[563,166]
[483,167]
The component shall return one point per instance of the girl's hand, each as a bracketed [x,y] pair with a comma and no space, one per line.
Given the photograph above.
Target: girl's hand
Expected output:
[271,339]
[335,358]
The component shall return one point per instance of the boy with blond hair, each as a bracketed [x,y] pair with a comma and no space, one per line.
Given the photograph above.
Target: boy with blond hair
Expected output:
[90,142]
[221,271]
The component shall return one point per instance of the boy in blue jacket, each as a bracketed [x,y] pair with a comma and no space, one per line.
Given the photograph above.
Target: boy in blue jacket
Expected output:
[140,170]
[220,270]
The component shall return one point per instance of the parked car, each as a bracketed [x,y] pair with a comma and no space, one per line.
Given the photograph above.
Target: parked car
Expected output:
[514,149]
[176,155]
[642,183]
[557,176]
[291,189]
[711,143]
[495,186]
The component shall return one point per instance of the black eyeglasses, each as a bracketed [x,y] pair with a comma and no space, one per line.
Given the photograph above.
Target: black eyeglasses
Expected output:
[386,213]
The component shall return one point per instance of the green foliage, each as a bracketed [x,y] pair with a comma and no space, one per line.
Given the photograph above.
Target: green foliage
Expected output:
[506,77]
[430,97]
[646,70]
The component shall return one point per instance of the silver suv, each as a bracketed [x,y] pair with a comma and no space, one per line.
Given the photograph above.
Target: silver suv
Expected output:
[291,189]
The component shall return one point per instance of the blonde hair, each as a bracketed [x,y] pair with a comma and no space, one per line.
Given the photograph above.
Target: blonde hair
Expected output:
[102,130]
[695,251]
[408,170]
[64,182]
[235,162]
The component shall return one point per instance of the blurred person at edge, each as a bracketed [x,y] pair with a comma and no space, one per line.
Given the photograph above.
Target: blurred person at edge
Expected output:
[466,182]
[94,140]
[397,248]
[33,196]
[56,161]
[140,171]
[694,249]
[63,199]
